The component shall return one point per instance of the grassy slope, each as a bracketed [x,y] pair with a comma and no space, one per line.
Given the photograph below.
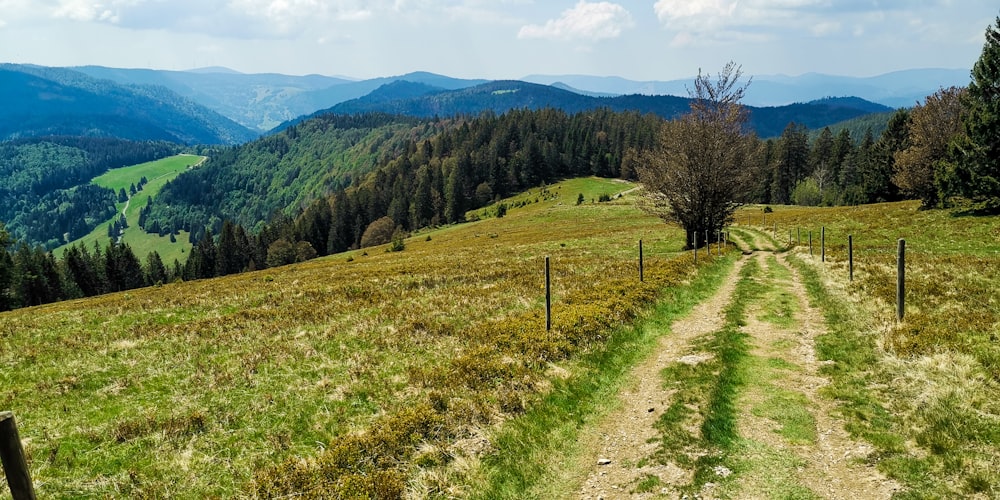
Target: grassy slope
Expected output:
[925,392]
[191,388]
[157,174]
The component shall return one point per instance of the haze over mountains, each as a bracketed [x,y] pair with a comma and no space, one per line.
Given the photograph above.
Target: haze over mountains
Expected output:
[222,106]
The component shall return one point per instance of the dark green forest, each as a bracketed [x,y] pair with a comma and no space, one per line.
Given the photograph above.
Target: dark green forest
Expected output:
[45,184]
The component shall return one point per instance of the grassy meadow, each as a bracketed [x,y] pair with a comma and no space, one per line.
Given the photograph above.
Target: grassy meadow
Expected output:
[362,373]
[429,373]
[157,174]
[924,391]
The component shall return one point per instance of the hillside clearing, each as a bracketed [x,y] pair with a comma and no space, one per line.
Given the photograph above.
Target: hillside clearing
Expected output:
[157,173]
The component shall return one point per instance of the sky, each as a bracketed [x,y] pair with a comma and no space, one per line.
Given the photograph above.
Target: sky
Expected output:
[500,39]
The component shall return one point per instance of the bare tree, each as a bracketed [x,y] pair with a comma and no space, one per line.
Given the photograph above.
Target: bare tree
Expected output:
[702,166]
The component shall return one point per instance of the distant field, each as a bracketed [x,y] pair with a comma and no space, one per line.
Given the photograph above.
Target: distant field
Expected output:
[157,174]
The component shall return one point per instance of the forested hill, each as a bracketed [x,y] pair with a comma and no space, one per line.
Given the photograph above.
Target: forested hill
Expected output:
[418,99]
[418,172]
[45,184]
[51,101]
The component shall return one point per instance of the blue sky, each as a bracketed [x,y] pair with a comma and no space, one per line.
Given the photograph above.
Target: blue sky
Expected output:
[635,39]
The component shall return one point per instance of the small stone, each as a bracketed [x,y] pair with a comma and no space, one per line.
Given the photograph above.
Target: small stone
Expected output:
[651,410]
[603,461]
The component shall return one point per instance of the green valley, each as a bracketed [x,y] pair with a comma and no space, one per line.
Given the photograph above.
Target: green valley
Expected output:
[157,173]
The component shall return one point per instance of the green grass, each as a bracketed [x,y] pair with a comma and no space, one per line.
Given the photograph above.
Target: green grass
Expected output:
[535,451]
[372,371]
[157,174]
[937,373]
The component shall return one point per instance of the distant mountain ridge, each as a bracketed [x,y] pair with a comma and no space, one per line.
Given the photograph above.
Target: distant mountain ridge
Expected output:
[421,100]
[264,101]
[43,101]
[896,89]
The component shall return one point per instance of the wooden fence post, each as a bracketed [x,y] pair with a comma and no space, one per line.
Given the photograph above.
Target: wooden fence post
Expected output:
[548,297]
[640,262]
[850,257]
[901,280]
[695,245]
[822,244]
[15,467]
[798,236]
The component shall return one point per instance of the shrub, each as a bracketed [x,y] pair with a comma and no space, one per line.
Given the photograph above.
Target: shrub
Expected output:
[378,233]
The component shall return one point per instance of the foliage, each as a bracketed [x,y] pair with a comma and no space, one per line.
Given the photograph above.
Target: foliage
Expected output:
[977,175]
[933,126]
[45,184]
[698,174]
[418,174]
[378,233]
[807,193]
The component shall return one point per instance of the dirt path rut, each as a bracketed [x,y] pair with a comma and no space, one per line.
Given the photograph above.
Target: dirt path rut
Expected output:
[790,442]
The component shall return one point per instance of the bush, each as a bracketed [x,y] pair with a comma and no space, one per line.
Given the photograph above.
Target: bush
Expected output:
[397,243]
[378,233]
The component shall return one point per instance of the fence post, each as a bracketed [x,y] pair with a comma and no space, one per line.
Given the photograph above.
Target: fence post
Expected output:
[798,236]
[548,297]
[822,244]
[850,257]
[774,232]
[640,262]
[695,245]
[15,467]
[810,243]
[901,280]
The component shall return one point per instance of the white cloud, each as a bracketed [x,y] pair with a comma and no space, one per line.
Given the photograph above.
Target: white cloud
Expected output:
[825,28]
[588,21]
[671,10]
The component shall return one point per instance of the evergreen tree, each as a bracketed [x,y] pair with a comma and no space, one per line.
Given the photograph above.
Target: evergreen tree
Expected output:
[977,176]
[228,257]
[156,272]
[84,270]
[791,162]
[877,184]
[122,267]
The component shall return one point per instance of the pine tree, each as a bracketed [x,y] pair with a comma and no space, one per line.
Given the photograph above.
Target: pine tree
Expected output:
[791,162]
[228,258]
[156,272]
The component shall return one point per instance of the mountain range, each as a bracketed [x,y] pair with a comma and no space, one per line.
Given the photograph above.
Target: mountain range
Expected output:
[422,100]
[263,101]
[222,106]
[41,101]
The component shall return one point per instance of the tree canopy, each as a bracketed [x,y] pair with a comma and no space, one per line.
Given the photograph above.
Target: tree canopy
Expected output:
[699,172]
